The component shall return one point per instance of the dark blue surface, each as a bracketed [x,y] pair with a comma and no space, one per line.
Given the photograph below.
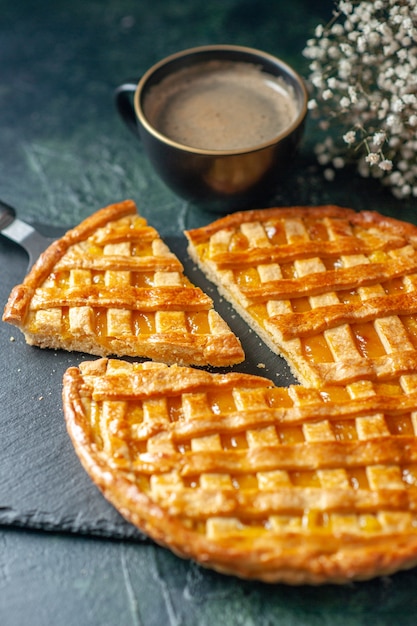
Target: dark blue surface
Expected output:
[64,153]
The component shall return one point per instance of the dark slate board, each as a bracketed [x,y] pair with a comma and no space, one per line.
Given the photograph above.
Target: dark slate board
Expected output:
[42,484]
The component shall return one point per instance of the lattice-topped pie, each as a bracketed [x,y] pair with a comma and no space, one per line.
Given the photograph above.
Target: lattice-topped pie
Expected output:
[280,484]
[332,290]
[111,286]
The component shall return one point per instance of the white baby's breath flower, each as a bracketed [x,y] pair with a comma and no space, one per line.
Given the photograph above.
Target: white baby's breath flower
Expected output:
[378,138]
[338,162]
[353,94]
[402,54]
[385,165]
[396,178]
[337,30]
[329,174]
[318,81]
[346,7]
[319,148]
[345,69]
[333,52]
[364,82]
[319,30]
[323,158]
[372,158]
[349,137]
[347,49]
[409,98]
[374,39]
[398,105]
[361,44]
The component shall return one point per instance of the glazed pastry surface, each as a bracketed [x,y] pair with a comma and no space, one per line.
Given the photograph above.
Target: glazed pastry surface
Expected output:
[111,286]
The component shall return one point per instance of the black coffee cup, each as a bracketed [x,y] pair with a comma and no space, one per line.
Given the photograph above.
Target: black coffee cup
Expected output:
[214,160]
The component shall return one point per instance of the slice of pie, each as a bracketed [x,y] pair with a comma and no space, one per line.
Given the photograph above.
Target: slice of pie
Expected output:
[111,286]
[292,484]
[332,290]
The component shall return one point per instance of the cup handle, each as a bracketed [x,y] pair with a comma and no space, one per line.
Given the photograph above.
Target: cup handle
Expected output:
[124,105]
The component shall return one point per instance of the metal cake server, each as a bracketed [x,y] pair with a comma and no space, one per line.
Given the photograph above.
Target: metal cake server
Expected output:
[22,233]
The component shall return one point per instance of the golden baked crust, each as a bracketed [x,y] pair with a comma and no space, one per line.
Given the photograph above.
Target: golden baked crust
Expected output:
[111,286]
[279,484]
[332,290]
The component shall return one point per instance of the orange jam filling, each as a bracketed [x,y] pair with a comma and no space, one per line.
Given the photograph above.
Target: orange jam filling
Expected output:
[95,250]
[409,475]
[367,340]
[143,323]
[175,411]
[246,481]
[259,313]
[300,305]
[314,519]
[400,425]
[142,249]
[332,264]
[184,447]
[395,285]
[349,297]
[288,270]
[317,231]
[345,430]
[190,482]
[368,523]
[58,279]
[97,277]
[198,323]
[138,446]
[358,478]
[278,397]
[305,478]
[65,325]
[236,441]
[275,231]
[238,242]
[221,402]
[315,349]
[388,389]
[142,279]
[100,321]
[142,482]
[335,394]
[410,324]
[247,278]
[290,435]
[134,413]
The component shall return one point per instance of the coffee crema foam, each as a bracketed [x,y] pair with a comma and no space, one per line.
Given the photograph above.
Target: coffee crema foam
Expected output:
[220,105]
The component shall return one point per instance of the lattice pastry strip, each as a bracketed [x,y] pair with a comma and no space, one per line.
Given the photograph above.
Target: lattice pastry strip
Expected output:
[339,339]
[112,286]
[332,290]
[272,483]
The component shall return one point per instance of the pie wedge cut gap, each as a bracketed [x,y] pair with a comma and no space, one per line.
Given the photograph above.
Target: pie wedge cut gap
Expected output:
[111,286]
[332,290]
[289,485]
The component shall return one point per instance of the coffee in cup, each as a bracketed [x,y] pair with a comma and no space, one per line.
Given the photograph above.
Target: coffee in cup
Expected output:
[221,106]
[219,123]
